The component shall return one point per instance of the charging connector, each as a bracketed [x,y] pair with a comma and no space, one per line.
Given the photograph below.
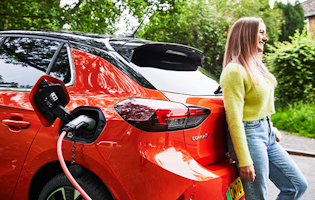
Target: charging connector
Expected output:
[82,120]
[72,126]
[65,168]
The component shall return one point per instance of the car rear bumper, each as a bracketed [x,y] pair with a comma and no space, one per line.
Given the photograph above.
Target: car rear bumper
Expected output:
[216,188]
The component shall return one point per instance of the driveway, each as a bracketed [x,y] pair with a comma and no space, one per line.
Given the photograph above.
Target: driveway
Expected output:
[305,146]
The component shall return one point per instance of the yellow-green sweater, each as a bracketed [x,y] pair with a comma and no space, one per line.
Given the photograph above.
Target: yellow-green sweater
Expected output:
[244,101]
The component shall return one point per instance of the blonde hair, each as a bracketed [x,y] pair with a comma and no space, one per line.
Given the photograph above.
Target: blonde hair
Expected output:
[242,47]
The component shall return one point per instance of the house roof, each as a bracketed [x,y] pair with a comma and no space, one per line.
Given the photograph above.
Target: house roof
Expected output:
[309,8]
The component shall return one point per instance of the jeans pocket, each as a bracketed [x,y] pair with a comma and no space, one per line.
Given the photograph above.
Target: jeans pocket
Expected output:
[252,124]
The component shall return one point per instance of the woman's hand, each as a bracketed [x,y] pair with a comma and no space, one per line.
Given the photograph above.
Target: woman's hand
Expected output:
[248,173]
[277,134]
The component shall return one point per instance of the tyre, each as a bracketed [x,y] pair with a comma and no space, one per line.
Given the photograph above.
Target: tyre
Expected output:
[60,188]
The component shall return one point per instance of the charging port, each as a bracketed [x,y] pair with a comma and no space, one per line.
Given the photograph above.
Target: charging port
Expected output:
[83,133]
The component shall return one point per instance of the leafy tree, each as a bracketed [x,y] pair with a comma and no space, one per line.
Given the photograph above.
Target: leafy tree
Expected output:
[253,8]
[293,65]
[92,16]
[84,15]
[29,14]
[205,25]
[294,19]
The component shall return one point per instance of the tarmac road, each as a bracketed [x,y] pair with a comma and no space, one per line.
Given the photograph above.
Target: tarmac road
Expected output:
[305,163]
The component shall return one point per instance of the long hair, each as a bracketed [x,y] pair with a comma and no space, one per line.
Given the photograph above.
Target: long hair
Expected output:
[242,47]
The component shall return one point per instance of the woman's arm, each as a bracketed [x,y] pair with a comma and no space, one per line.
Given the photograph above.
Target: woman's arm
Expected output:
[232,84]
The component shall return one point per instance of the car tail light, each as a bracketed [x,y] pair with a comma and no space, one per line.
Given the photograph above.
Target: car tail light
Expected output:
[158,115]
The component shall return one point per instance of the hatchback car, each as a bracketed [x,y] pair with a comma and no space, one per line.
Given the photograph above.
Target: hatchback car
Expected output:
[161,129]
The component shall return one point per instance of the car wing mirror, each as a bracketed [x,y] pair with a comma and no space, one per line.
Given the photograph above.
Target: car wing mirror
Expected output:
[48,97]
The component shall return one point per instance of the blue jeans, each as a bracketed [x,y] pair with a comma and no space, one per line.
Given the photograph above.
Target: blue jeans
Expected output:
[270,161]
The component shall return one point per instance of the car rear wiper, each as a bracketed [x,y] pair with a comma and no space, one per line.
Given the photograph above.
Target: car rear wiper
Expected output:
[218,91]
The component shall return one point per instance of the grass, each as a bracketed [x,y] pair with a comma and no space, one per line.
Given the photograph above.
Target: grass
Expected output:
[297,118]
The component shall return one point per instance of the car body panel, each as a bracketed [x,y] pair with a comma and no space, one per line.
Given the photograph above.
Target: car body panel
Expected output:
[206,143]
[215,189]
[138,173]
[15,140]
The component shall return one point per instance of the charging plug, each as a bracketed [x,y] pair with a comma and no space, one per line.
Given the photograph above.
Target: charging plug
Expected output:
[80,121]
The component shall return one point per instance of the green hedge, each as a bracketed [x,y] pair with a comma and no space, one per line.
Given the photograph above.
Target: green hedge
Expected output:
[293,64]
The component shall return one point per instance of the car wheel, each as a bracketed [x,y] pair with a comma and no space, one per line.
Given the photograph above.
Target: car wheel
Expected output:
[60,188]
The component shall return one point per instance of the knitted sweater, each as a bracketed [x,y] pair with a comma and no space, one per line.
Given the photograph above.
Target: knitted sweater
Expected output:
[244,101]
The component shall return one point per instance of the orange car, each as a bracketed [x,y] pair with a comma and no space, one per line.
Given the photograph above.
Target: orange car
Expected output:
[160,133]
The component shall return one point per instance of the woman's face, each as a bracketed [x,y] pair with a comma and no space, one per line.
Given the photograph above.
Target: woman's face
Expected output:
[261,37]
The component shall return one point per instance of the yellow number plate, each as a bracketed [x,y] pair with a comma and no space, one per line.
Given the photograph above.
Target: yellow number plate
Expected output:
[236,190]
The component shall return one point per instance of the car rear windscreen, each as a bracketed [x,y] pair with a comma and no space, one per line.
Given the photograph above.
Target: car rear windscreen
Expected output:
[183,82]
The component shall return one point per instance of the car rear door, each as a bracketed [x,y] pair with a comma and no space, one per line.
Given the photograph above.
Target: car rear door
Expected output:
[22,61]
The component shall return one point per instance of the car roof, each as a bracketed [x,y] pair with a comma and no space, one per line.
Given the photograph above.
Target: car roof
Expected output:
[93,39]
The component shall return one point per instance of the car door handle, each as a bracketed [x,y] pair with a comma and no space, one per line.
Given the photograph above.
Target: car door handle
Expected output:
[15,123]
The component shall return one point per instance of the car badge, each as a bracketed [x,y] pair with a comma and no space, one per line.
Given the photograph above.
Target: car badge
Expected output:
[200,137]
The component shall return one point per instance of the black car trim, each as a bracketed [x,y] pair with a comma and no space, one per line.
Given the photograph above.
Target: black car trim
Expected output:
[72,68]
[51,64]
[127,48]
[33,36]
[193,53]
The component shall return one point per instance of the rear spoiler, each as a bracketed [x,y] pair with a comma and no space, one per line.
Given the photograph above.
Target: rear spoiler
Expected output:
[167,56]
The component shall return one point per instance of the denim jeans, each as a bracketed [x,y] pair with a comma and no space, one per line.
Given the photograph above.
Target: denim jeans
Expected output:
[270,161]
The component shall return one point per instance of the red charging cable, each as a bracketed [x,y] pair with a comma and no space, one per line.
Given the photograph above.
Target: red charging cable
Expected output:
[65,168]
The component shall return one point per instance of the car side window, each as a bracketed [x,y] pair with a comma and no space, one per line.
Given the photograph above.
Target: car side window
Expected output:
[24,59]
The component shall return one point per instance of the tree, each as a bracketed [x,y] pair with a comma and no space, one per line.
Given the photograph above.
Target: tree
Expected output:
[205,25]
[247,8]
[293,17]
[84,15]
[29,14]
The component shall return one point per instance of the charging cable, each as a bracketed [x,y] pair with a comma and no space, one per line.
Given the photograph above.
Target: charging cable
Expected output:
[82,120]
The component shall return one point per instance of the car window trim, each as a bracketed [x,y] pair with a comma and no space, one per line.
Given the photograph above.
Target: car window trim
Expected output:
[72,67]
[71,64]
[33,36]
[51,63]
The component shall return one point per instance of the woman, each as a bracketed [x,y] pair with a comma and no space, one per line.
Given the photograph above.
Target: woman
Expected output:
[248,91]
